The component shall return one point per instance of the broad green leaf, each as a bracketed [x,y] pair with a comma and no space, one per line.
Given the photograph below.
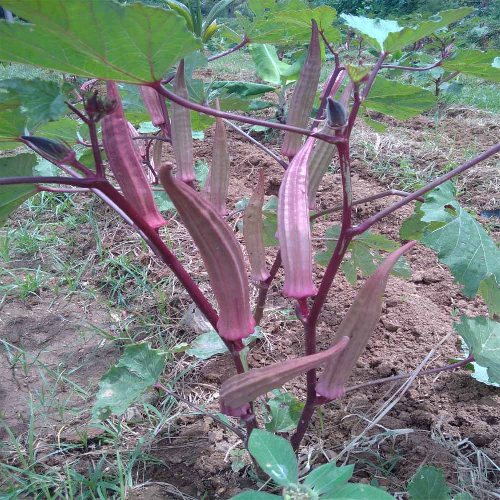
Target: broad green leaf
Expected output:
[45,168]
[96,39]
[428,483]
[267,65]
[275,455]
[374,31]
[475,63]
[398,100]
[482,337]
[39,100]
[285,411]
[12,196]
[389,36]
[11,127]
[254,495]
[353,491]
[461,242]
[133,106]
[138,369]
[363,255]
[201,121]
[230,34]
[490,291]
[209,344]
[328,476]
[64,130]
[244,89]
[375,125]
[410,35]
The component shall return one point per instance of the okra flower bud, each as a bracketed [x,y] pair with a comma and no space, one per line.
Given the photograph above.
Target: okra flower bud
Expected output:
[221,253]
[182,139]
[303,96]
[358,324]
[240,389]
[252,232]
[124,163]
[294,230]
[219,173]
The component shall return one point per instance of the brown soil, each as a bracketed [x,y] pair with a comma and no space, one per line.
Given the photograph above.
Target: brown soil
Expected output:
[439,421]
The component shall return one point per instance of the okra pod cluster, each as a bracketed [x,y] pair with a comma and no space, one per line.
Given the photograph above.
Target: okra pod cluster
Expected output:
[124,162]
[358,324]
[252,232]
[182,139]
[303,96]
[294,230]
[221,253]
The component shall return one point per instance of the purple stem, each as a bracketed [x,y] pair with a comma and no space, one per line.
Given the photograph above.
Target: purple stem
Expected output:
[411,68]
[99,167]
[373,74]
[229,51]
[165,127]
[330,48]
[361,228]
[326,93]
[246,119]
[319,300]
[62,190]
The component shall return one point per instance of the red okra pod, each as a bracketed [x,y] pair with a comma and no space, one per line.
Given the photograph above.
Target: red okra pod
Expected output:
[294,230]
[219,173]
[221,253]
[151,100]
[252,232]
[240,389]
[124,163]
[182,139]
[358,324]
[303,96]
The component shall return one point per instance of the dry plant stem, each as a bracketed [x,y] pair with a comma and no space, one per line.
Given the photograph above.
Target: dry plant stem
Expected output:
[240,118]
[261,146]
[326,283]
[383,194]
[229,51]
[453,366]
[361,228]
[230,427]
[264,288]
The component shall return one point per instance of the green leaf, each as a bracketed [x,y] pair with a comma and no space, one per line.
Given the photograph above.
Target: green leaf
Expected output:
[363,254]
[375,125]
[243,89]
[352,491]
[254,495]
[201,121]
[490,291]
[374,31]
[482,337]
[413,227]
[12,196]
[462,496]
[11,127]
[285,411]
[327,477]
[64,130]
[462,243]
[209,344]
[40,100]
[410,35]
[389,36]
[267,65]
[275,455]
[128,43]
[475,63]
[133,106]
[428,483]
[138,369]
[398,100]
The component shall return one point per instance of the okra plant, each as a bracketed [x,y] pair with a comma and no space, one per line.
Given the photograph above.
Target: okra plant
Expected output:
[153,52]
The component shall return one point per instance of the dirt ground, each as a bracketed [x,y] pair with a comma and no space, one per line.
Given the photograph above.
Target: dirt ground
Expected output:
[447,420]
